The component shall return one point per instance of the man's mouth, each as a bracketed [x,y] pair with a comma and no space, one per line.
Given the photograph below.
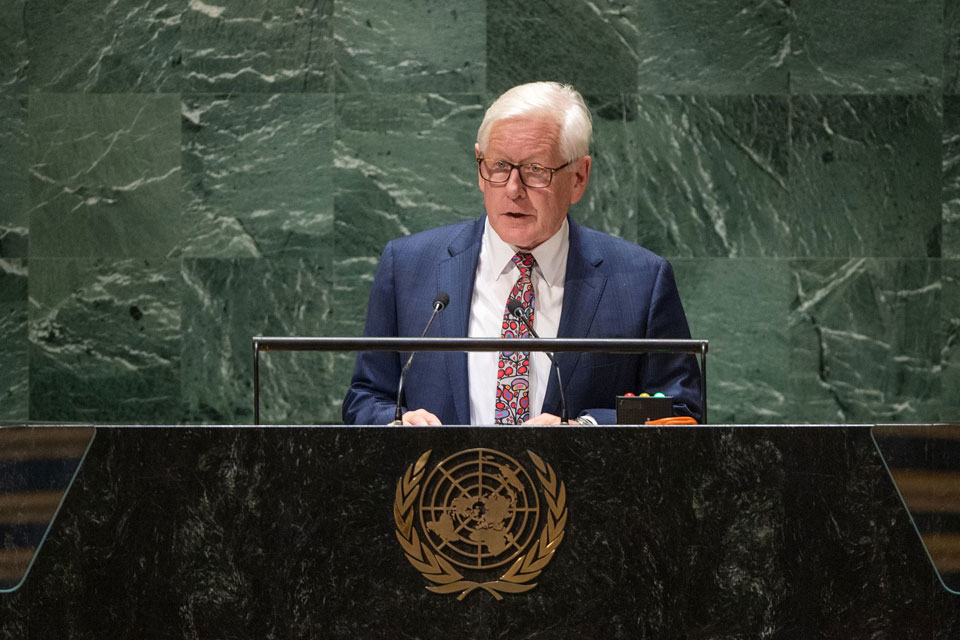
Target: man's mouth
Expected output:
[514,214]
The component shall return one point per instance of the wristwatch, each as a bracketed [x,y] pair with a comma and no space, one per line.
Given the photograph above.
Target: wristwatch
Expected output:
[587,420]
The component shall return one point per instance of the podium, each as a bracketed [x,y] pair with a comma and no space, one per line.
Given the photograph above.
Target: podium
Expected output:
[296,532]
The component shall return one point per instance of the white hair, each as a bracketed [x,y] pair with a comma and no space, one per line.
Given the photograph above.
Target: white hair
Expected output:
[544,100]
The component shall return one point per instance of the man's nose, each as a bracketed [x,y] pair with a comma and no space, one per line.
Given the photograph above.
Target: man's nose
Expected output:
[515,187]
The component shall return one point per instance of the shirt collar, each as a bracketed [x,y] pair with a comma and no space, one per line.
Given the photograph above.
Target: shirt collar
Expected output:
[551,256]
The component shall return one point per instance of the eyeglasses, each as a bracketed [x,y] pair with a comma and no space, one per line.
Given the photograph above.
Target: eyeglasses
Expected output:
[532,175]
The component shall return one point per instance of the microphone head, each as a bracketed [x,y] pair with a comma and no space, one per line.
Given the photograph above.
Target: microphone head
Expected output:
[515,308]
[441,301]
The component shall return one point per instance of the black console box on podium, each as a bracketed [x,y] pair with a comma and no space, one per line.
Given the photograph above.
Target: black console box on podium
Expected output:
[290,532]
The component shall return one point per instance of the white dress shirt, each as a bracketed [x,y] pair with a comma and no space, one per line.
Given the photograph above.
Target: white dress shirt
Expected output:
[495,278]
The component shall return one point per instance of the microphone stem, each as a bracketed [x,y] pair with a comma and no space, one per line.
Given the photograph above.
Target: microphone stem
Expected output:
[398,412]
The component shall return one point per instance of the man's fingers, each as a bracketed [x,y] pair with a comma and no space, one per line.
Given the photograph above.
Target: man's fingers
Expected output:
[421,418]
[543,418]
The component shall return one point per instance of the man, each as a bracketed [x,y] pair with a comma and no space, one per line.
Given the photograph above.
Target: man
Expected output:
[533,163]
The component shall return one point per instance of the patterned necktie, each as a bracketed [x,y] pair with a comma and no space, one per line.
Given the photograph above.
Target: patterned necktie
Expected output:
[513,377]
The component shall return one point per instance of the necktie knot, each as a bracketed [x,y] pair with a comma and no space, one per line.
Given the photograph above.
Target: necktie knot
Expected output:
[525,263]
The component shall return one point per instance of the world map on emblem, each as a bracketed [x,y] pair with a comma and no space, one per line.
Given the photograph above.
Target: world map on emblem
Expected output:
[479,508]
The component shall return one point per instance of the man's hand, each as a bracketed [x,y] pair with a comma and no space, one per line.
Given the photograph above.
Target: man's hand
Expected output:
[421,418]
[547,418]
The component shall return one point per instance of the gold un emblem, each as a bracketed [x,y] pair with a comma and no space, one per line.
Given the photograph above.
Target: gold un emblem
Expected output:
[479,512]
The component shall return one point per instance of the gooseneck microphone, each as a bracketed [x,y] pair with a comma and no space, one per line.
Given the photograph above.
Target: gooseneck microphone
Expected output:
[440,303]
[517,311]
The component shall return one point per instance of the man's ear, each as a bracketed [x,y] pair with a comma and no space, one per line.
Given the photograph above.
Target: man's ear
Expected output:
[581,178]
[476,150]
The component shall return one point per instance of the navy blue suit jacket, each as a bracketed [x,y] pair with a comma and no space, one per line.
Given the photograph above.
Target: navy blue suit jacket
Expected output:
[613,289]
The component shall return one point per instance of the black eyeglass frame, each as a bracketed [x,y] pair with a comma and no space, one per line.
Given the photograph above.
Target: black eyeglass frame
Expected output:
[552,171]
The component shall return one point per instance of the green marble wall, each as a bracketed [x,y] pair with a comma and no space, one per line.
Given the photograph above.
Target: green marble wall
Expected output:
[176,177]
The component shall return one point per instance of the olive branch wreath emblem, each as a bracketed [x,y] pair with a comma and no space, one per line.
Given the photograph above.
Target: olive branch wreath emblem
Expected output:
[446,579]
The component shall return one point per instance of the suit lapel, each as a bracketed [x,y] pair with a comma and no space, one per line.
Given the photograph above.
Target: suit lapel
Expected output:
[456,273]
[582,289]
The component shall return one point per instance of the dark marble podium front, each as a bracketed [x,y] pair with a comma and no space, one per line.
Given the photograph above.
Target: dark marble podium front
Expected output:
[288,532]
